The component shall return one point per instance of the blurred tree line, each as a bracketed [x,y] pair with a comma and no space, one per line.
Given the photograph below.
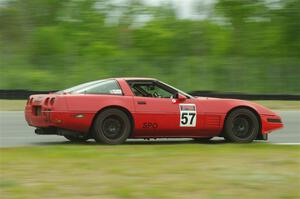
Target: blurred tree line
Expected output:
[248,45]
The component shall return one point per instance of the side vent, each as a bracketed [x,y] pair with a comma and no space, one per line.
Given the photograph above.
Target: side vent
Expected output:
[212,121]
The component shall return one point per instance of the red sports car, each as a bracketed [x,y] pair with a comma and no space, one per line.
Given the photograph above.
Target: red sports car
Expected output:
[112,110]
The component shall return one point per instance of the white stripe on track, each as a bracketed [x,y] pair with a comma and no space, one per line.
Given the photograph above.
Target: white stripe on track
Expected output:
[286,143]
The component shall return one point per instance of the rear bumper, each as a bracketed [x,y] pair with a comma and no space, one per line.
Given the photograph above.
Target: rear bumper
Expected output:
[40,120]
[58,119]
[45,117]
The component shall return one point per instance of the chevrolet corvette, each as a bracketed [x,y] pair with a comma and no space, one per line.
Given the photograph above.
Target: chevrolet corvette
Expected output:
[112,110]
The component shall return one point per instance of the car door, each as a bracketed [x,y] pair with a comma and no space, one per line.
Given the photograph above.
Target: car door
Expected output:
[156,116]
[159,114]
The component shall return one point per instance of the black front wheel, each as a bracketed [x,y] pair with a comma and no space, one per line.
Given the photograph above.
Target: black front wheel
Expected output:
[241,126]
[112,126]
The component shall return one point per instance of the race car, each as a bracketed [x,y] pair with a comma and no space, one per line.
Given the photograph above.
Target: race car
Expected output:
[112,110]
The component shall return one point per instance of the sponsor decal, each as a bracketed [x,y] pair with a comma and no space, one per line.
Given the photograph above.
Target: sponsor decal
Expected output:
[150,125]
[116,92]
[187,108]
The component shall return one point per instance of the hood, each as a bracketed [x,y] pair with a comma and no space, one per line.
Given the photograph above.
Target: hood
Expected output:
[237,102]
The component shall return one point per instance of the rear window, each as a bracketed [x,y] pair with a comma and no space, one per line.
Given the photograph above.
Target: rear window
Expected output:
[110,87]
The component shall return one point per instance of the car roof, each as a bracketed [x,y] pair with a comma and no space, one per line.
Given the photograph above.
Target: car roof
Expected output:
[135,78]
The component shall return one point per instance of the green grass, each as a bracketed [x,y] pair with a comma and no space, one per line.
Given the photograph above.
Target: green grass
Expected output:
[12,105]
[217,171]
[18,105]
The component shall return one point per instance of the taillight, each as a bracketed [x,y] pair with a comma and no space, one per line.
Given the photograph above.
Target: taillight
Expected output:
[31,100]
[52,101]
[46,101]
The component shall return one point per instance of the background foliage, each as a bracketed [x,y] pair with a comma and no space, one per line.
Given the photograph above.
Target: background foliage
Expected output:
[249,46]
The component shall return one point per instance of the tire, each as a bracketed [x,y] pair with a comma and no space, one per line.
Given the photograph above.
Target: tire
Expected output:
[77,138]
[202,140]
[112,126]
[241,126]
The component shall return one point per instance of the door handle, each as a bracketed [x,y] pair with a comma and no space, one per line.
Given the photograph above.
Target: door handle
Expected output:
[141,102]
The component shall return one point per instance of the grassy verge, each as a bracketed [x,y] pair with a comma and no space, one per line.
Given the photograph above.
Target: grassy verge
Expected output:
[12,105]
[151,171]
[18,105]
[277,104]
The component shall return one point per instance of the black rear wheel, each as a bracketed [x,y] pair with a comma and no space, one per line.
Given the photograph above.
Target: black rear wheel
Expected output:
[112,126]
[241,126]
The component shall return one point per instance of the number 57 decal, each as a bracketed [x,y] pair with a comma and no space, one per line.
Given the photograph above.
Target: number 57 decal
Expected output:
[188,115]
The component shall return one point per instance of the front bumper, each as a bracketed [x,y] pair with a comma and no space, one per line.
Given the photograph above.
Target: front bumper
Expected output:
[271,123]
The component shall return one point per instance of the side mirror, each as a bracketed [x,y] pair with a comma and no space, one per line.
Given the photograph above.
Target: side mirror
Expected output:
[181,98]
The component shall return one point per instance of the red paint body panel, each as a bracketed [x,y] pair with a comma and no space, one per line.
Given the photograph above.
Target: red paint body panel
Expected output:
[76,112]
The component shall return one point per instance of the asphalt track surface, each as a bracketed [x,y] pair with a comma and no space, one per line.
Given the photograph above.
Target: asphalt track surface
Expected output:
[14,131]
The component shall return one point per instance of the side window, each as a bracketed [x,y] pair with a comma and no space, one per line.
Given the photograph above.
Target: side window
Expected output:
[149,89]
[156,91]
[107,87]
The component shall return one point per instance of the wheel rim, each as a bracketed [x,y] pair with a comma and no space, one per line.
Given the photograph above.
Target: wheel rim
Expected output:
[242,127]
[112,127]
